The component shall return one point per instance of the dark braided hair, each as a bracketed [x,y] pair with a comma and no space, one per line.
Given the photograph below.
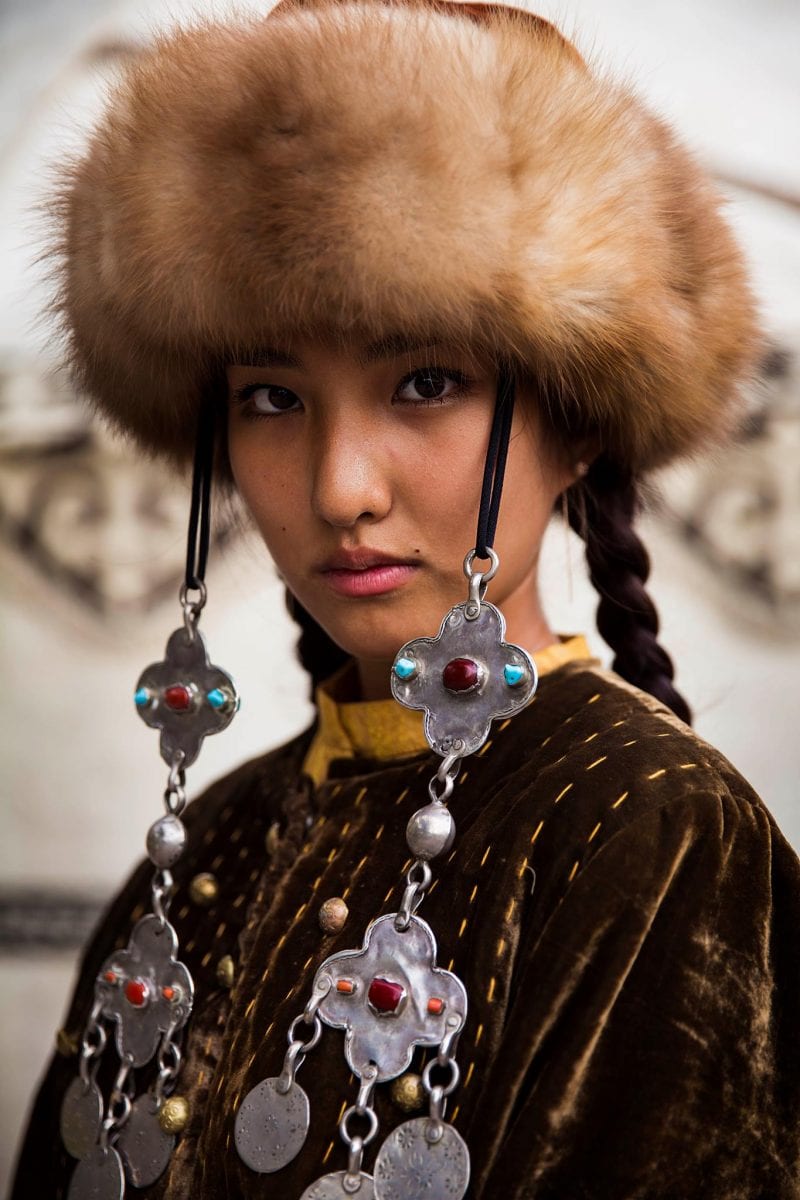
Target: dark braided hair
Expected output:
[319,655]
[601,508]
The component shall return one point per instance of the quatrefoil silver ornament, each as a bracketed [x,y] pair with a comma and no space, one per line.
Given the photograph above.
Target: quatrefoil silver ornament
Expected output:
[390,996]
[464,678]
[145,990]
[185,696]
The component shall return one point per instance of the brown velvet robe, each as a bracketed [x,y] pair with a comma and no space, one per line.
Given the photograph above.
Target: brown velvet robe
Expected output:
[632,1026]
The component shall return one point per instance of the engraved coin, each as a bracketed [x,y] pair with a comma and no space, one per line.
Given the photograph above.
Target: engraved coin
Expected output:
[271,1126]
[98,1177]
[409,1165]
[339,1186]
[81,1117]
[144,1147]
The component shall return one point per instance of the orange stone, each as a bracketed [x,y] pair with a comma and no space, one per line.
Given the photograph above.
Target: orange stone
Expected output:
[168,993]
[345,985]
[435,1005]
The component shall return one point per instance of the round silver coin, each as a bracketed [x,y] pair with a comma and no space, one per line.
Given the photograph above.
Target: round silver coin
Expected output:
[144,1147]
[409,1166]
[271,1126]
[340,1185]
[98,1177]
[81,1117]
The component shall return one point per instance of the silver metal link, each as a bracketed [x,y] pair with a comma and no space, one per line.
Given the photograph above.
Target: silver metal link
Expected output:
[161,895]
[175,794]
[350,1112]
[119,1104]
[91,1048]
[477,582]
[192,608]
[414,893]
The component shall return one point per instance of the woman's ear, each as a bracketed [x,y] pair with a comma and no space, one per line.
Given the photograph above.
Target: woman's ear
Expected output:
[583,455]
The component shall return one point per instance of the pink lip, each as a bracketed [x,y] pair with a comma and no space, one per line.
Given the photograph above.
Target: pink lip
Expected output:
[370,582]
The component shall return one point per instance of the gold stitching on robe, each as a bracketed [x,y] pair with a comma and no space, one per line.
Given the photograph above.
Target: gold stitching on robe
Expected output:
[563,792]
[619,801]
[594,831]
[656,774]
[537,831]
[574,869]
[596,762]
[486,853]
[490,992]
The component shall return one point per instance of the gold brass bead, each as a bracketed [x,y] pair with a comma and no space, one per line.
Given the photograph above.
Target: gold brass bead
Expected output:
[66,1043]
[225,972]
[333,914]
[174,1115]
[204,889]
[272,838]
[408,1093]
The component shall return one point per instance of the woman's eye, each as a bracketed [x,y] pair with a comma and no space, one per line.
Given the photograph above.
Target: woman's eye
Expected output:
[265,399]
[431,386]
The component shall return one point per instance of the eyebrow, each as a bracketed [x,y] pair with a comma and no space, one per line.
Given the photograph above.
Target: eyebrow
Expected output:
[386,347]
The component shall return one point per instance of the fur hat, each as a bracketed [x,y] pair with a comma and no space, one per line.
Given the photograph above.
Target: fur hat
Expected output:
[446,170]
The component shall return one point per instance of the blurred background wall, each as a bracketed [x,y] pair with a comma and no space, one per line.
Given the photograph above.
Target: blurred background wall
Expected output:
[91,542]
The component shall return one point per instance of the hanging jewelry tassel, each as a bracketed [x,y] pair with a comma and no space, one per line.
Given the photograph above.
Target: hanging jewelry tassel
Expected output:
[390,996]
[144,991]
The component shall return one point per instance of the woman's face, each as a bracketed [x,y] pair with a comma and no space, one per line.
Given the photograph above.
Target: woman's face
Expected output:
[381,449]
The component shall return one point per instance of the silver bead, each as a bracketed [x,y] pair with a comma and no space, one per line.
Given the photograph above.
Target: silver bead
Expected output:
[166,840]
[430,831]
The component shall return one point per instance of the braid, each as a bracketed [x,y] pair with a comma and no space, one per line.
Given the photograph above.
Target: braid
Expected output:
[319,655]
[618,567]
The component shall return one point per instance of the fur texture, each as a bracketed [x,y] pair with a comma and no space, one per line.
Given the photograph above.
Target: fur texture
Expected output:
[359,167]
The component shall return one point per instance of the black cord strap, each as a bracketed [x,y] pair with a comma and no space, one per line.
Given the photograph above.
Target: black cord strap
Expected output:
[495,468]
[200,512]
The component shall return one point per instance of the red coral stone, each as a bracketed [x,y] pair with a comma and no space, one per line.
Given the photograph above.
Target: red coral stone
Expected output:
[460,675]
[385,995]
[136,992]
[178,698]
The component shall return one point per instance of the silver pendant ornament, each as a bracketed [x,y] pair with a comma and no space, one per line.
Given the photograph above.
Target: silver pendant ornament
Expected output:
[389,996]
[144,992]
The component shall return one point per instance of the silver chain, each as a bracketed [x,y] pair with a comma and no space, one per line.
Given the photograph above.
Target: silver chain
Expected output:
[192,608]
[356,1142]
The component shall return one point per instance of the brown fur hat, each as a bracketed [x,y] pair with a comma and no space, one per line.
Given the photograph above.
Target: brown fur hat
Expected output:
[444,170]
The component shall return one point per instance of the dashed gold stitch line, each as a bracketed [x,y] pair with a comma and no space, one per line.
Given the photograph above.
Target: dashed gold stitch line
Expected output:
[667,734]
[656,774]
[597,762]
[619,800]
[359,866]
[469,1074]
[594,831]
[522,868]
[327,1153]
[344,828]
[490,992]
[464,777]
[307,963]
[228,1140]
[300,912]
[190,945]
[341,1111]
[209,836]
[235,1104]
[402,796]
[360,796]
[486,853]
[137,912]
[563,792]
[433,885]
[388,894]
[546,740]
[184,912]
[223,925]
[406,864]
[558,760]
[217,862]
[501,945]
[244,852]
[268,1030]
[632,742]
[451,855]
[336,789]
[616,723]
[683,767]
[591,737]
[206,959]
[316,883]
[200,1079]
[484,748]
[226,812]
[379,834]
[332,854]
[239,901]
[478,1034]
[249,1008]
[574,869]
[510,910]
[473,893]
[236,836]
[450,964]
[250,1061]
[346,892]
[592,699]
[504,723]
[537,831]
[454,1114]
[462,926]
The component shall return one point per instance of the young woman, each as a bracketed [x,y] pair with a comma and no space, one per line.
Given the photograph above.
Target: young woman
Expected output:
[333,237]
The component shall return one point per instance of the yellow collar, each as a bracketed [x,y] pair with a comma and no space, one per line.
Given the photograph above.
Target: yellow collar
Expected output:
[384,729]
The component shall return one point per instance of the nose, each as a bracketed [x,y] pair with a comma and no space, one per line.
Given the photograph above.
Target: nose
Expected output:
[350,471]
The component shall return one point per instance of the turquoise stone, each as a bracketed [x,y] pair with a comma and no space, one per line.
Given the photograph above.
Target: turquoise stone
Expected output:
[141,697]
[405,668]
[513,674]
[217,698]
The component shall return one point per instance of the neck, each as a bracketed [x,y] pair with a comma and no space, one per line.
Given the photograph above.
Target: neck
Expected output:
[526,626]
